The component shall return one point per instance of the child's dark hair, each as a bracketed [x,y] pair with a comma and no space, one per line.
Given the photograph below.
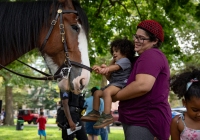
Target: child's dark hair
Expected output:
[125,46]
[41,113]
[186,84]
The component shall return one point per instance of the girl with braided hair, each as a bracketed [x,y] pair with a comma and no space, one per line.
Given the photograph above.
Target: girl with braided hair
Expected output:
[187,125]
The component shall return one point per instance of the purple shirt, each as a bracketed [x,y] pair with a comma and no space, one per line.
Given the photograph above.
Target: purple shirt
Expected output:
[151,110]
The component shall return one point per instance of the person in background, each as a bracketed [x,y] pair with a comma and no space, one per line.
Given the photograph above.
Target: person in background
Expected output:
[42,121]
[4,115]
[104,133]
[144,109]
[92,133]
[41,110]
[187,86]
[1,119]
[117,74]
[69,114]
[58,108]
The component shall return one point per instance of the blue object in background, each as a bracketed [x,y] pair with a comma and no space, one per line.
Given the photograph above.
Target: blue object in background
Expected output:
[174,113]
[104,133]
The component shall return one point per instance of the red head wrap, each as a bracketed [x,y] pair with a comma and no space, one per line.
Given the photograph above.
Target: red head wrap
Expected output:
[153,27]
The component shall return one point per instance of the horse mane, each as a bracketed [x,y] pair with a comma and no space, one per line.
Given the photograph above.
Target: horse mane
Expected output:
[19,31]
[82,16]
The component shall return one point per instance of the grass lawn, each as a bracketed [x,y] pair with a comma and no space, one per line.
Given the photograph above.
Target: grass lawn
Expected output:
[28,133]
[53,133]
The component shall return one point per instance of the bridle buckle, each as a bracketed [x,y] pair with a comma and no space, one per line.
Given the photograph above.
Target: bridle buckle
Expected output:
[65,72]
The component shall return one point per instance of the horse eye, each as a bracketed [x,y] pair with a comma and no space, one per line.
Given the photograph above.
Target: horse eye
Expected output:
[75,27]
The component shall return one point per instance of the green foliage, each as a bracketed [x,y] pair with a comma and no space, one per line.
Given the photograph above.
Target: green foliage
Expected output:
[42,97]
[96,79]
[42,92]
[111,18]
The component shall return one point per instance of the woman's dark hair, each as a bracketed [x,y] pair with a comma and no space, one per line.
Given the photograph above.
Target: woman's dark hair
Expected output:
[125,46]
[152,38]
[186,84]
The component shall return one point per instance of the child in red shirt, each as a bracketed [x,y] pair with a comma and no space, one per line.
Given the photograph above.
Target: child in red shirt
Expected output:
[42,121]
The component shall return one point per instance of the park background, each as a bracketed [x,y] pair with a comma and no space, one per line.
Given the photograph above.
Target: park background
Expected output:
[108,20]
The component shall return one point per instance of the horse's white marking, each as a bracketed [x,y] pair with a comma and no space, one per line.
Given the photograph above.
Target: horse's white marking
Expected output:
[51,65]
[85,74]
[83,47]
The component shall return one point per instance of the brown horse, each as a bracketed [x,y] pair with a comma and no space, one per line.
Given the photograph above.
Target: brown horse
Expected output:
[58,28]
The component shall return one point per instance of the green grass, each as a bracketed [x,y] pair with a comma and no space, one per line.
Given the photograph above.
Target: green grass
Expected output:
[28,133]
[53,133]
[51,121]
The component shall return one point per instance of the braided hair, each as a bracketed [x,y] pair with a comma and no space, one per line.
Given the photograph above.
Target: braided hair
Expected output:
[186,84]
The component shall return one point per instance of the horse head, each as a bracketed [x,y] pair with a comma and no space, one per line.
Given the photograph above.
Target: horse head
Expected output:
[58,28]
[68,42]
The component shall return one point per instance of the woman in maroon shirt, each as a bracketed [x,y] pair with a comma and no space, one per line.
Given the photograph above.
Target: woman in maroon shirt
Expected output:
[144,109]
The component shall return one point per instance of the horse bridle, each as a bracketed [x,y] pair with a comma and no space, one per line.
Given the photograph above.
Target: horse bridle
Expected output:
[64,70]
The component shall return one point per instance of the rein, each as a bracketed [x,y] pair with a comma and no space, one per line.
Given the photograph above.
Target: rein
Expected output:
[64,70]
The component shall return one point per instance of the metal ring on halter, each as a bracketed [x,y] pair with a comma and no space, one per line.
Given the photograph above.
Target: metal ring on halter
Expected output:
[53,22]
[61,26]
[65,72]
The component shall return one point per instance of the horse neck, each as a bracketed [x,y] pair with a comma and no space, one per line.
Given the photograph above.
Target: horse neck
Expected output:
[21,36]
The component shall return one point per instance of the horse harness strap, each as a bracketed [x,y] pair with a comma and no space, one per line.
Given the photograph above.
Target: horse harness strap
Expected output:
[50,77]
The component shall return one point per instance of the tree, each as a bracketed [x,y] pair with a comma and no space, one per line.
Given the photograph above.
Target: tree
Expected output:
[16,86]
[111,18]
[42,97]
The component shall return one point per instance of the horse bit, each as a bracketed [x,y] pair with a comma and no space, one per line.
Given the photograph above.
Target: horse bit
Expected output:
[64,70]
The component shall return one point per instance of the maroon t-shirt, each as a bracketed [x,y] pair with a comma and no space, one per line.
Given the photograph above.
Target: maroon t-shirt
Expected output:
[151,110]
[42,121]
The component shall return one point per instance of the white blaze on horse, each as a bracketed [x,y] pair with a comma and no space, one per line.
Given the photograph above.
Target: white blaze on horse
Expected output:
[58,28]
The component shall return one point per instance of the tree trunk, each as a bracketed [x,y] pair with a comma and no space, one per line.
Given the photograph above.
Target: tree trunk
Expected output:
[9,120]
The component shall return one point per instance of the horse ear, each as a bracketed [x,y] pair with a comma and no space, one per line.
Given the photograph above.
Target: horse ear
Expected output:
[68,3]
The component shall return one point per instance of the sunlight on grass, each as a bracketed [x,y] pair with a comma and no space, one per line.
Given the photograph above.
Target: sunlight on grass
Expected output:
[28,133]
[116,134]
[53,133]
[51,121]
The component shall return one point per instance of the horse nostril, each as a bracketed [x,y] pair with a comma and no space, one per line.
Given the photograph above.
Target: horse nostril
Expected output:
[82,84]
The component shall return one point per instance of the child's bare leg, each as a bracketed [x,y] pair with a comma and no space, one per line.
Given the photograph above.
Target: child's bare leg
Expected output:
[96,99]
[107,97]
